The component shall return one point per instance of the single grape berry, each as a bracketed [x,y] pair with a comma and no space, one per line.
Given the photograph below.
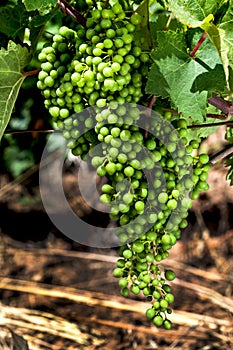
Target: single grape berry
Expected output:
[203,158]
[170,275]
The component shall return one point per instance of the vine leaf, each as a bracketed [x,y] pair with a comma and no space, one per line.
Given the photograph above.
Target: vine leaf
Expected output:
[13,21]
[217,37]
[174,73]
[43,6]
[143,33]
[12,62]
[194,13]
[200,13]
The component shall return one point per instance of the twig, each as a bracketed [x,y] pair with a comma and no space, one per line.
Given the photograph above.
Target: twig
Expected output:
[148,114]
[12,132]
[72,12]
[225,106]
[168,22]
[216,116]
[197,46]
[152,102]
[106,4]
[119,303]
[31,73]
[222,154]
[197,126]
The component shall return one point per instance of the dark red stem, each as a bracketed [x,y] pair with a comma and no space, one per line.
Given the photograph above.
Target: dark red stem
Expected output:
[31,73]
[225,106]
[197,46]
[216,116]
[106,4]
[152,102]
[72,12]
[13,132]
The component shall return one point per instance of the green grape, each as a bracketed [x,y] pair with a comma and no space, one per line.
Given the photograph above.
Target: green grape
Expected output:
[127,254]
[135,289]
[158,320]
[117,272]
[170,275]
[125,292]
[150,313]
[123,283]
[138,247]
[163,197]
[169,298]
[163,304]
[203,158]
[136,19]
[167,324]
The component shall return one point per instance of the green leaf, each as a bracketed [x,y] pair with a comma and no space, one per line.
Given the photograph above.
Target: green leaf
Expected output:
[43,6]
[37,25]
[173,75]
[217,36]
[194,13]
[13,22]
[213,80]
[160,22]
[143,34]
[12,62]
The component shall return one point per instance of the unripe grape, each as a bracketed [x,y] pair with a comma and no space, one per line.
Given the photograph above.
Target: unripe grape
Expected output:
[203,158]
[170,275]
[167,324]
[135,289]
[158,320]
[117,272]
[127,254]
[136,19]
[123,283]
[125,292]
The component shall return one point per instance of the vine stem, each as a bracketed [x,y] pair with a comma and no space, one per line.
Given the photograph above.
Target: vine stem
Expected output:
[168,22]
[148,113]
[72,12]
[216,116]
[221,155]
[227,123]
[197,46]
[106,4]
[225,106]
[152,102]
[31,73]
[13,132]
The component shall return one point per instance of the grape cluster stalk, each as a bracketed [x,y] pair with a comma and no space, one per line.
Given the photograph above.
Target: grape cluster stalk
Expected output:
[92,80]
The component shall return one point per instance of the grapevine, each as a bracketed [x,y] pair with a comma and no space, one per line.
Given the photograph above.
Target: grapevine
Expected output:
[130,85]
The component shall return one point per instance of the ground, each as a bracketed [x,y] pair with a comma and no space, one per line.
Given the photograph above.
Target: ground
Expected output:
[58,294]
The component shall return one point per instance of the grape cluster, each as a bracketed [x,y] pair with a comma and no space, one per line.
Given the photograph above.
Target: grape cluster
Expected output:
[91,66]
[152,177]
[92,79]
